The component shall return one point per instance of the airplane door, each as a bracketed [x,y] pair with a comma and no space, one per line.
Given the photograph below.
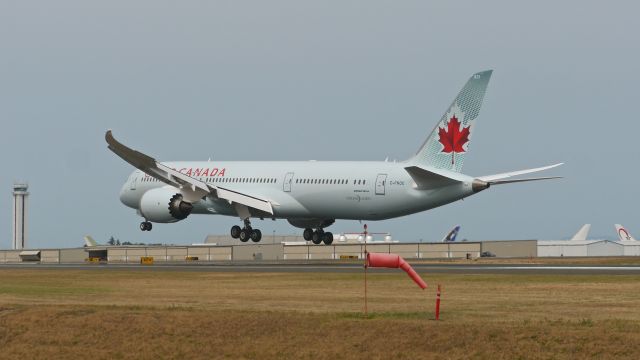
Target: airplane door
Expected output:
[133,182]
[288,179]
[381,181]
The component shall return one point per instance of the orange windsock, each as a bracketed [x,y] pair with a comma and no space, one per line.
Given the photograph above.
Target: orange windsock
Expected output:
[394,261]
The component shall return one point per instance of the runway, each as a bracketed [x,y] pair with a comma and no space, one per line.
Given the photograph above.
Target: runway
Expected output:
[341,268]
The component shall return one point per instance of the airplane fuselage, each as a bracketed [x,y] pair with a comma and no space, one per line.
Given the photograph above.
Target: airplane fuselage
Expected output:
[309,189]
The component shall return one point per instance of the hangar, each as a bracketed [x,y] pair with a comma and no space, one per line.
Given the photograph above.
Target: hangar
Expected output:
[291,248]
[562,248]
[286,249]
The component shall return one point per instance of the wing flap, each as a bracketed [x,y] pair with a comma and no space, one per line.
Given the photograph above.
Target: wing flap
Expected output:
[248,200]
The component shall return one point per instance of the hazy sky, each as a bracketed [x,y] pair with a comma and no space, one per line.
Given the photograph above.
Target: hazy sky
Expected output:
[324,80]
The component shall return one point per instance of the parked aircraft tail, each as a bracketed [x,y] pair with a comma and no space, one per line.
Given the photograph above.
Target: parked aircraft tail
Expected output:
[89,242]
[451,236]
[623,234]
[446,146]
[582,233]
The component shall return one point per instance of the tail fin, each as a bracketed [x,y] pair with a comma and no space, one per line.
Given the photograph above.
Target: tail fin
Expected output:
[451,236]
[623,234]
[448,143]
[582,233]
[89,242]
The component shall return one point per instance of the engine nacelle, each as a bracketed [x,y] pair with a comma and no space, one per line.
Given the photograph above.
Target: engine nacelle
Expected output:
[164,206]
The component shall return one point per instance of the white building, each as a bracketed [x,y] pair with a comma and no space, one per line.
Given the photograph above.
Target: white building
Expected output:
[561,248]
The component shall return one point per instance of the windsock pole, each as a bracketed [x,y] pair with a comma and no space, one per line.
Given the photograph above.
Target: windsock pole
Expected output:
[438,303]
[366,313]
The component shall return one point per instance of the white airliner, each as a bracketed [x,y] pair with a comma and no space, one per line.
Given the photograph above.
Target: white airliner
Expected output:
[313,194]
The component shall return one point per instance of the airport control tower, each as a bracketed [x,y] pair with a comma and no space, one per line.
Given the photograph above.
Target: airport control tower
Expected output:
[20,195]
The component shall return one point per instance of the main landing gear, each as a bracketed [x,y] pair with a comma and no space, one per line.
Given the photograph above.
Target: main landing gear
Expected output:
[246,233]
[318,236]
[146,226]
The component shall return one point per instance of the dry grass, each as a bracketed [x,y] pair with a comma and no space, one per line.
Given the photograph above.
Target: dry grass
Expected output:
[172,314]
[585,261]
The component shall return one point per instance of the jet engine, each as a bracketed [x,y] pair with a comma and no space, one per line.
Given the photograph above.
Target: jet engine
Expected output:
[164,206]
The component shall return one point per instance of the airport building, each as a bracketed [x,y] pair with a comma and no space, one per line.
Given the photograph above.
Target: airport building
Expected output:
[223,249]
[287,248]
[584,248]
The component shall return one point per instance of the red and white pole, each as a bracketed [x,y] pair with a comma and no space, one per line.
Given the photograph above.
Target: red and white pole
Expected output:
[366,312]
[438,303]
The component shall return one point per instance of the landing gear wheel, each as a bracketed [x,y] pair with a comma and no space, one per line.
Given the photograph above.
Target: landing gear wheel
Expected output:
[256,235]
[235,231]
[245,234]
[146,226]
[317,237]
[327,238]
[307,234]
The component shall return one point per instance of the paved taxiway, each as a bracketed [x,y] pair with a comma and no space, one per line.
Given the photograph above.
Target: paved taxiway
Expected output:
[344,268]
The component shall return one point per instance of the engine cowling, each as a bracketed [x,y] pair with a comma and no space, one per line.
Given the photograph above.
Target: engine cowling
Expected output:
[164,206]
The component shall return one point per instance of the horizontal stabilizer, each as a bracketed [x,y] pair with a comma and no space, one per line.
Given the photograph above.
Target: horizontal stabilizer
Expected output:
[493,178]
[500,182]
[430,179]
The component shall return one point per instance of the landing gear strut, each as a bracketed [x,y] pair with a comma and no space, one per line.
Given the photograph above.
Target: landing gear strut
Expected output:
[246,233]
[317,237]
[146,226]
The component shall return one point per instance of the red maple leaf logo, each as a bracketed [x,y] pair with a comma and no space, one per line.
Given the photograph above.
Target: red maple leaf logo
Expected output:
[452,138]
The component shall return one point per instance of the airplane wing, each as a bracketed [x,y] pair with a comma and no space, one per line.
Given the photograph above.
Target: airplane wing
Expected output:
[191,189]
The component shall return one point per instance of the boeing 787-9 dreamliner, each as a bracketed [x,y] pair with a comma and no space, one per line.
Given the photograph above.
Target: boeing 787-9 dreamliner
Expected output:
[312,195]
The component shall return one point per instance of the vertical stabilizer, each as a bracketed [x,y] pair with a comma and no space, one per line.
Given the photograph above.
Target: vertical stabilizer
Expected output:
[448,143]
[582,233]
[623,234]
[451,236]
[89,242]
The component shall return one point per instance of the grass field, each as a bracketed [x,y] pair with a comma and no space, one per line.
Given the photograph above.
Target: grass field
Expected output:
[125,314]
